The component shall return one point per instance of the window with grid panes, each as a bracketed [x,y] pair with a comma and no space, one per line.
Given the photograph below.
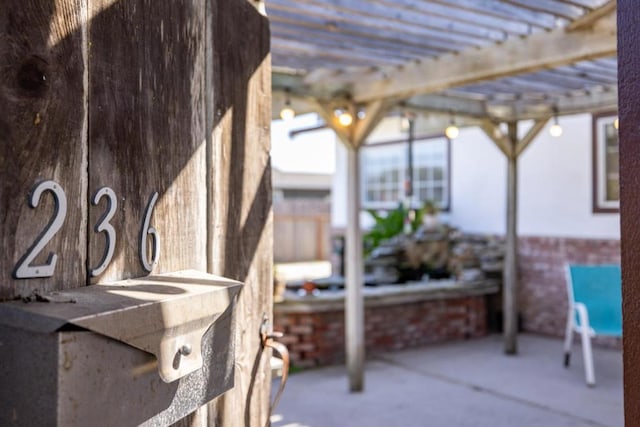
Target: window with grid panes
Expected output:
[606,180]
[384,172]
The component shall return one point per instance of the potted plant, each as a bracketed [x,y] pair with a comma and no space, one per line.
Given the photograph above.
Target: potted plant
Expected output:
[430,211]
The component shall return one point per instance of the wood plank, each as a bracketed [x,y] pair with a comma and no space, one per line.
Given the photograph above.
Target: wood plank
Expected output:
[374,112]
[503,10]
[590,18]
[599,68]
[587,4]
[510,273]
[290,20]
[591,71]
[467,106]
[311,49]
[352,24]
[354,270]
[493,132]
[42,137]
[529,83]
[147,132]
[563,10]
[450,103]
[353,137]
[332,38]
[629,58]
[534,131]
[326,111]
[516,56]
[285,60]
[481,17]
[240,220]
[390,13]
[573,80]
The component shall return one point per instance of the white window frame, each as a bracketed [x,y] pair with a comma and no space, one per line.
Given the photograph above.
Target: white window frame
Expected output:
[600,203]
[401,147]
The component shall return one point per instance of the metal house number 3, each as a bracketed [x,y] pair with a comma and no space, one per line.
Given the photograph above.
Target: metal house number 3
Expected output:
[24,269]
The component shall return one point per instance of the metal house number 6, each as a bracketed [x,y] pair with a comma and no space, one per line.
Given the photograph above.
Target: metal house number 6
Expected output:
[147,230]
[23,269]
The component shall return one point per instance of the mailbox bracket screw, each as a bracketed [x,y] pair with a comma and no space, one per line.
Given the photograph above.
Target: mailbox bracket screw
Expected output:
[185,350]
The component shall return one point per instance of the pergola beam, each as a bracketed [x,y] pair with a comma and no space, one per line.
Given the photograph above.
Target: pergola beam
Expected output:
[326,111]
[515,56]
[592,17]
[374,112]
[605,99]
[522,144]
[495,134]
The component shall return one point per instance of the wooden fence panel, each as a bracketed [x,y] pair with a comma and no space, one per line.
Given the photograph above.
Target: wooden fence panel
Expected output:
[147,132]
[303,237]
[42,137]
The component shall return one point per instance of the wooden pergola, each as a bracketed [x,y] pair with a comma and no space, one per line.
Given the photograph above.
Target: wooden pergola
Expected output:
[486,62]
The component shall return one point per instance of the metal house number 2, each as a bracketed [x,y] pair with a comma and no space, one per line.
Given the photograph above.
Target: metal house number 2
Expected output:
[24,269]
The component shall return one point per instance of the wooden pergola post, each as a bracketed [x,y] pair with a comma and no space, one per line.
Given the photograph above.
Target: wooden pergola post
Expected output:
[510,273]
[353,138]
[511,147]
[354,306]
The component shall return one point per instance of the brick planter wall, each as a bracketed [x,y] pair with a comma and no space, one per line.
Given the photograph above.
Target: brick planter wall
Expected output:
[543,296]
[317,338]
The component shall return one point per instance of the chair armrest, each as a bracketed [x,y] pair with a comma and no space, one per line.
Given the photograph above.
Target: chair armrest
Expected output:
[583,317]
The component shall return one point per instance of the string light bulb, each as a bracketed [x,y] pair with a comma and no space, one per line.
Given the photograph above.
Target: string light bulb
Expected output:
[555,130]
[452,130]
[616,123]
[344,118]
[287,113]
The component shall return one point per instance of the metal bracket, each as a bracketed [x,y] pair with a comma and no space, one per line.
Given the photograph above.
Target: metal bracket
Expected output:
[165,315]
[268,336]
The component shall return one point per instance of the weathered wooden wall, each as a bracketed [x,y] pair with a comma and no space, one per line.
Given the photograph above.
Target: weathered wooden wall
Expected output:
[146,128]
[143,96]
[241,223]
[43,125]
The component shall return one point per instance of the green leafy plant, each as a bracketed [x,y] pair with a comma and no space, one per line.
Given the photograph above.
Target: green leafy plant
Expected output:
[389,225]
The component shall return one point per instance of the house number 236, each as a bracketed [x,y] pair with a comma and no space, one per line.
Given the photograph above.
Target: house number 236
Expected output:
[24,269]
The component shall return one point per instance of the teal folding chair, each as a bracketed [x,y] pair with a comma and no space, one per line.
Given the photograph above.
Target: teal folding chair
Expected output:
[595,308]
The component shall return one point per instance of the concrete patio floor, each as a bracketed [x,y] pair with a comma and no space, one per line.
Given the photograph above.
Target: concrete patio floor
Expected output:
[470,383]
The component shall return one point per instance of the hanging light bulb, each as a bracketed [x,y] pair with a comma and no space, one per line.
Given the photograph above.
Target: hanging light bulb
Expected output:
[555,130]
[452,130]
[344,117]
[287,113]
[616,123]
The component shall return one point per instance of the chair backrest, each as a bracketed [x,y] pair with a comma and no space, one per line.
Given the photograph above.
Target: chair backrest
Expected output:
[599,288]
